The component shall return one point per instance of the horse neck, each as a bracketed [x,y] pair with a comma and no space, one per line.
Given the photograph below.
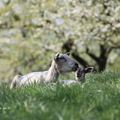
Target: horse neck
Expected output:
[53,73]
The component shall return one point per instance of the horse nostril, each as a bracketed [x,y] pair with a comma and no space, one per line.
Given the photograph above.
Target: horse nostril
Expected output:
[76,65]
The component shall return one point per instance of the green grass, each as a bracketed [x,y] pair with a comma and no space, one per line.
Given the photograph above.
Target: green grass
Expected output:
[97,99]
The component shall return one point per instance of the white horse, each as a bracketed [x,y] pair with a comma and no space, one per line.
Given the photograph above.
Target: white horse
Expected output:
[61,63]
[79,76]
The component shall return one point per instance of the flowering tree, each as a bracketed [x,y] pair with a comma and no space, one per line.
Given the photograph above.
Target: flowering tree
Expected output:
[97,30]
[31,30]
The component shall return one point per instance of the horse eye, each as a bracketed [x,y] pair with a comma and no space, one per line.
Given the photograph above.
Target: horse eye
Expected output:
[62,58]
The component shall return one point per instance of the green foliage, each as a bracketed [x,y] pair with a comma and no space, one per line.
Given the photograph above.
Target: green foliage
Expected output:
[32,31]
[97,99]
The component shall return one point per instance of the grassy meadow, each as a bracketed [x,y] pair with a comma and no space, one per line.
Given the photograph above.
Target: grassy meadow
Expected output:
[97,99]
[33,31]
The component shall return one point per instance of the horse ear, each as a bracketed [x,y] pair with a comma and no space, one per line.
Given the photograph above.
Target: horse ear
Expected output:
[89,69]
[56,56]
[68,53]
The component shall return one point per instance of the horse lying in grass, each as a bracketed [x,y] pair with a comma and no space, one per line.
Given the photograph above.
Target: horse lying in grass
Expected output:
[79,75]
[61,63]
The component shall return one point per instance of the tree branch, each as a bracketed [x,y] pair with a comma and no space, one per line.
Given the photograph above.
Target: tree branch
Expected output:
[79,59]
[93,56]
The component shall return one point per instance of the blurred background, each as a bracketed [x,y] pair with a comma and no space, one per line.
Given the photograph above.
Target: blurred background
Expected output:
[33,31]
